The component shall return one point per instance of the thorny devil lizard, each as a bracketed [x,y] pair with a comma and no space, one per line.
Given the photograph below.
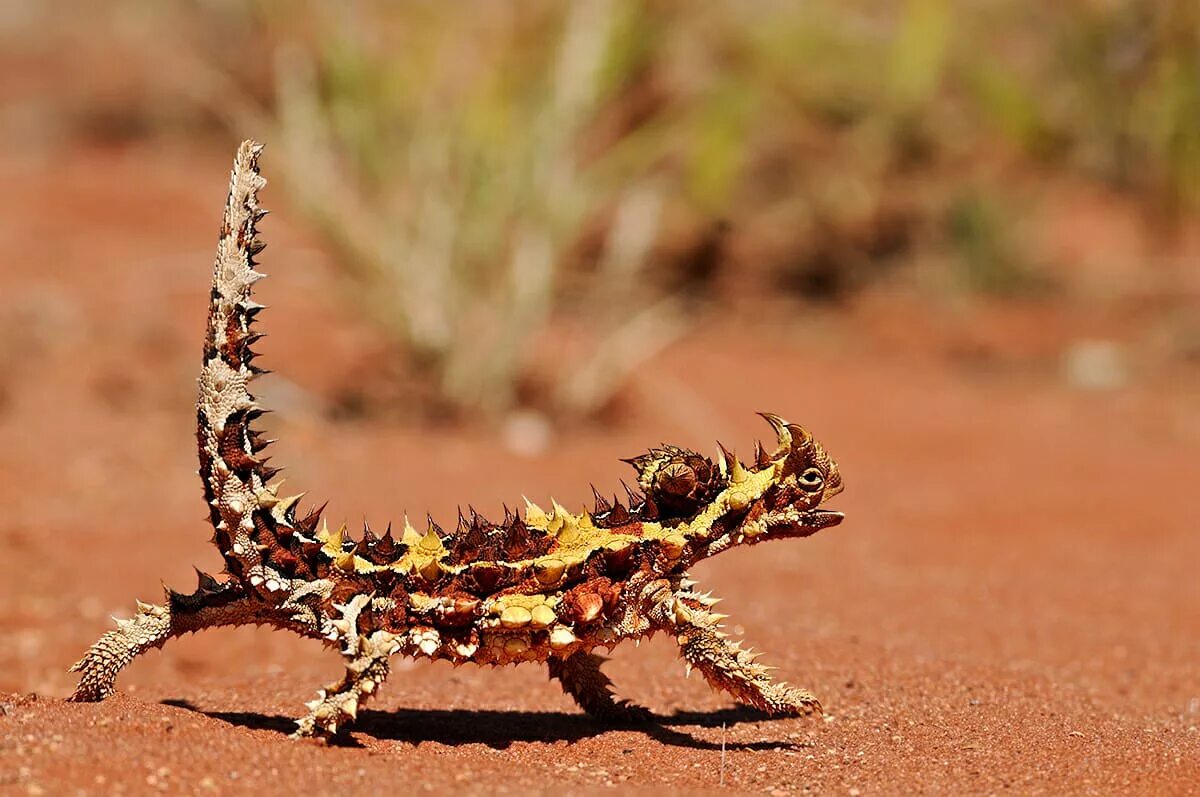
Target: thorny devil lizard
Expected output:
[546,586]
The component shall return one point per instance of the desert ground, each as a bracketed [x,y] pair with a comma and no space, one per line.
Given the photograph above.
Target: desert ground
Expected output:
[1011,606]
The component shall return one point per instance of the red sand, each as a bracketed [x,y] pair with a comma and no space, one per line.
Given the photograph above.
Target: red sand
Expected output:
[1011,604]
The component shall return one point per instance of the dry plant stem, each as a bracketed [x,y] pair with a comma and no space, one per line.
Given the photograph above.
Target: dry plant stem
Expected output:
[410,255]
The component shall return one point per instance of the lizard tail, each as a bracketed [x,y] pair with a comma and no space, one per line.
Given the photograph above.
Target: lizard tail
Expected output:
[254,526]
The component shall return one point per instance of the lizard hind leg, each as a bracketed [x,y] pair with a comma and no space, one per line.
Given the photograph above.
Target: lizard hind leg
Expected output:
[212,604]
[337,705]
[724,663]
[581,678]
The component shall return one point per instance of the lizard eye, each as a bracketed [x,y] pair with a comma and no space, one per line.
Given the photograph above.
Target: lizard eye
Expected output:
[812,480]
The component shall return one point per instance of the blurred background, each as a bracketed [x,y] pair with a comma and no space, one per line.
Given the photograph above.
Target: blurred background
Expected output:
[511,242]
[527,201]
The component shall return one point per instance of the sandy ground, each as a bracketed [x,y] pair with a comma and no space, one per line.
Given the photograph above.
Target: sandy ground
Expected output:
[1011,605]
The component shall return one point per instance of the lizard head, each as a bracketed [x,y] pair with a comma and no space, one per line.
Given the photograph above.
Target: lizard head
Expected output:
[712,506]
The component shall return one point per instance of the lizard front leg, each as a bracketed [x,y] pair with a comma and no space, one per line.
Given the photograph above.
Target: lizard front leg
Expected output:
[212,604]
[581,678]
[725,664]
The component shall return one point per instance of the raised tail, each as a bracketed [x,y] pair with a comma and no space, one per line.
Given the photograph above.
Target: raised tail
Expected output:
[250,518]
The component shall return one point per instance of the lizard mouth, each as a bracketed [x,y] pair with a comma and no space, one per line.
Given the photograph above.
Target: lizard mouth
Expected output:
[823,518]
[798,524]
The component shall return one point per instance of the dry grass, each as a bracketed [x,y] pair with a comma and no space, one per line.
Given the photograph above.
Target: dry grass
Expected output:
[490,171]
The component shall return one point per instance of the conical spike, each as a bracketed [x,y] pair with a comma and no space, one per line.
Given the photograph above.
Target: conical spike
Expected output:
[602,505]
[800,438]
[534,514]
[308,524]
[737,474]
[432,539]
[641,461]
[337,539]
[256,441]
[409,536]
[286,506]
[205,582]
[618,515]
[761,458]
[781,431]
[384,550]
[366,543]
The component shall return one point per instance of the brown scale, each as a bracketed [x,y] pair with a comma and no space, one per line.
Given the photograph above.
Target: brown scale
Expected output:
[588,601]
[520,544]
[231,447]
[621,562]
[613,516]
[235,349]
[471,542]
[486,578]
[279,547]
[366,543]
[305,543]
[393,620]
[479,540]
[307,525]
[345,588]
[379,550]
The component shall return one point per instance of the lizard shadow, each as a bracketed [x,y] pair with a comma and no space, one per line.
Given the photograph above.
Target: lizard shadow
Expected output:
[500,729]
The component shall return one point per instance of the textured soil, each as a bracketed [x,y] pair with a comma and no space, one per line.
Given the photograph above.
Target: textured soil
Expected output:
[1011,605]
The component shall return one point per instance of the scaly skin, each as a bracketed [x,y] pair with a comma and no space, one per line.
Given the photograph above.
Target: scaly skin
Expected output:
[536,587]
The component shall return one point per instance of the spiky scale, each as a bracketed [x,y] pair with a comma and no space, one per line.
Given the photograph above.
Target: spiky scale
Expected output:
[602,505]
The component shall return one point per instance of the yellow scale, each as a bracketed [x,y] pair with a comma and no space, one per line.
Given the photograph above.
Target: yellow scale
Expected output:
[576,535]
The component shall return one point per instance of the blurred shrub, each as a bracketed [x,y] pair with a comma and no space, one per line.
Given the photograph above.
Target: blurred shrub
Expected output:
[489,169]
